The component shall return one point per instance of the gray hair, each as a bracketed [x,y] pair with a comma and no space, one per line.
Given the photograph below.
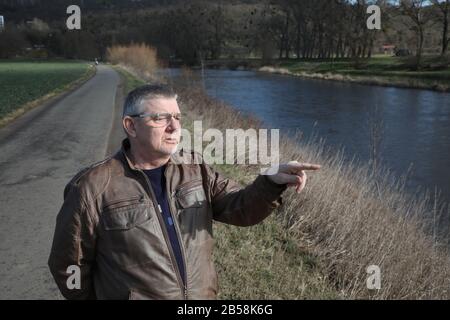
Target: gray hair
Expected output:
[134,101]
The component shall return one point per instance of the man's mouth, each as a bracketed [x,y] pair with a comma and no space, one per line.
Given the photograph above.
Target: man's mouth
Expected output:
[171,140]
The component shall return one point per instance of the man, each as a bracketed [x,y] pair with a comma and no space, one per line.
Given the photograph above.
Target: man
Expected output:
[138,225]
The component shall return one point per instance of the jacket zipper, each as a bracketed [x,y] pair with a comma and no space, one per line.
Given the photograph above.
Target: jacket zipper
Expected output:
[166,236]
[178,232]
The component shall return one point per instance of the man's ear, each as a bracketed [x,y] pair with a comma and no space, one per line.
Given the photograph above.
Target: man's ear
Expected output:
[129,127]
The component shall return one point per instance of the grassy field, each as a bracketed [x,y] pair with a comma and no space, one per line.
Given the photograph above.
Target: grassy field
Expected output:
[22,83]
[434,67]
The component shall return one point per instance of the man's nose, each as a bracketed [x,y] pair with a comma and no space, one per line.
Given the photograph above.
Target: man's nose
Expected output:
[173,125]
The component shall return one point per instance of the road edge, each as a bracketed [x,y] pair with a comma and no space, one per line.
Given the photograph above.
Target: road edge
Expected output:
[114,135]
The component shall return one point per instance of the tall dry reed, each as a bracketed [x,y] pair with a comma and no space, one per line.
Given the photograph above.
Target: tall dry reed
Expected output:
[140,59]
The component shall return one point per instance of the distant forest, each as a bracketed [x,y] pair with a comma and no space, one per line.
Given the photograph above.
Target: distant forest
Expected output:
[194,30]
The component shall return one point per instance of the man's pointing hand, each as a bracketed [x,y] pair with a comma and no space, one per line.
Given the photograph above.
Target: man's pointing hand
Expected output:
[293,174]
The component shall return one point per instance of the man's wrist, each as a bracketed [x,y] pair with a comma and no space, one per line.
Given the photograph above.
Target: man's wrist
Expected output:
[273,184]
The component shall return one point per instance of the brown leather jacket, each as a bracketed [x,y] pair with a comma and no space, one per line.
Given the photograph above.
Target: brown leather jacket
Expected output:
[110,227]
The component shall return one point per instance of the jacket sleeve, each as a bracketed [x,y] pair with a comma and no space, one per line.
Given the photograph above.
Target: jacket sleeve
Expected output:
[238,206]
[73,245]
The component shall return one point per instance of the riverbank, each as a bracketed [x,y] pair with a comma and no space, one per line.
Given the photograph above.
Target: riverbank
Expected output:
[319,244]
[345,221]
[381,71]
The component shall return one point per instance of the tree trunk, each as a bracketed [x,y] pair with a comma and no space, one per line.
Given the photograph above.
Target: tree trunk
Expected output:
[419,47]
[286,38]
[369,54]
[445,40]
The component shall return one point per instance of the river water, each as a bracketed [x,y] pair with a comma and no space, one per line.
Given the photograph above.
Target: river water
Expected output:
[411,127]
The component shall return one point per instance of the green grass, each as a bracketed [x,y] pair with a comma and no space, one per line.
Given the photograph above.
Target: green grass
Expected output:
[266,262]
[432,68]
[130,81]
[23,82]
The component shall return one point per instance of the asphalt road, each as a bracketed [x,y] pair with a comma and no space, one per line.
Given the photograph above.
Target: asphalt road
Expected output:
[39,153]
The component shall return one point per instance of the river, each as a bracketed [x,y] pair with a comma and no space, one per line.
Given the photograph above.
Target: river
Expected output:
[411,127]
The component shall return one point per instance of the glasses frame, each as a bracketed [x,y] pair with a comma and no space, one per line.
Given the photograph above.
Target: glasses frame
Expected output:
[174,115]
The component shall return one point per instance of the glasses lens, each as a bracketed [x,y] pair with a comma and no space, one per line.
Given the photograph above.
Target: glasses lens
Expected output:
[163,119]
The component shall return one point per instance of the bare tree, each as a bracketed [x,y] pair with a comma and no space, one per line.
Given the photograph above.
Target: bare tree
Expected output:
[414,9]
[444,9]
[277,26]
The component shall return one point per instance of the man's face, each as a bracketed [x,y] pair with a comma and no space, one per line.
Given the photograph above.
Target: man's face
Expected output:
[158,138]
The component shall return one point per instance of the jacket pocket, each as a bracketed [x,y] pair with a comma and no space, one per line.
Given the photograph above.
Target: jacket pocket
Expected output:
[125,218]
[131,235]
[120,203]
[191,196]
[193,213]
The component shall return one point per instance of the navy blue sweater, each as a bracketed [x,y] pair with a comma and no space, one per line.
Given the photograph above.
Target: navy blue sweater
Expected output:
[158,181]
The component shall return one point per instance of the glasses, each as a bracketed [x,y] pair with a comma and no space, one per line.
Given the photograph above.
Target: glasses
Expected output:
[159,119]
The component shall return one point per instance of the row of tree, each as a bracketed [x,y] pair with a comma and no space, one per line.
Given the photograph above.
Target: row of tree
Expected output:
[324,28]
[202,29]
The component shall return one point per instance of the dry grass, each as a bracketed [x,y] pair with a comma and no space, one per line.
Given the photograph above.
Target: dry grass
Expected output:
[352,219]
[265,261]
[139,59]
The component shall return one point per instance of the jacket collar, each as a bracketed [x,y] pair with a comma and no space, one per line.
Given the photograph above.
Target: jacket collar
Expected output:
[175,158]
